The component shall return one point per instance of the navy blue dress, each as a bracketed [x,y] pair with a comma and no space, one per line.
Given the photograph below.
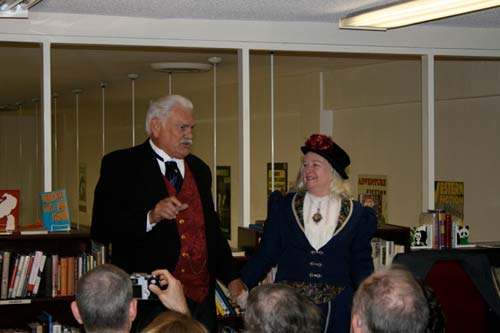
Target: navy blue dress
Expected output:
[328,276]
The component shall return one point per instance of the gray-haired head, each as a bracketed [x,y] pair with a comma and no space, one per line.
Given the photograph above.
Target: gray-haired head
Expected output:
[390,301]
[162,107]
[275,307]
[103,297]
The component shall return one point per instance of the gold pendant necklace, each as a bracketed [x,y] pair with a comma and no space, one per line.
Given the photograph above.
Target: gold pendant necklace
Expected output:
[317,217]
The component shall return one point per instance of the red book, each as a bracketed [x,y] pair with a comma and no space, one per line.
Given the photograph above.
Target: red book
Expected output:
[64,276]
[448,233]
[13,276]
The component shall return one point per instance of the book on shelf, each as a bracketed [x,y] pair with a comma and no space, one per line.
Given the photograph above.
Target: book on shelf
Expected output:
[10,201]
[21,292]
[6,266]
[384,251]
[449,197]
[38,278]
[227,307]
[373,201]
[35,268]
[376,185]
[46,320]
[422,237]
[437,230]
[55,210]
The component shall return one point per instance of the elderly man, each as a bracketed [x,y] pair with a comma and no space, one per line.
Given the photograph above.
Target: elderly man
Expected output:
[104,300]
[153,204]
[390,301]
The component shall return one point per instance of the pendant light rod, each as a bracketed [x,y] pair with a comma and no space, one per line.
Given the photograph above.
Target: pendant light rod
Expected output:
[215,60]
[133,77]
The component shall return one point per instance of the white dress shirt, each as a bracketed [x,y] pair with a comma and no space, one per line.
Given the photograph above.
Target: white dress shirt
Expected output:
[319,233]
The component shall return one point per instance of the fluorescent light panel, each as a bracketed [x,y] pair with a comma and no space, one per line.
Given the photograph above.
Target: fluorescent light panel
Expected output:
[16,8]
[412,12]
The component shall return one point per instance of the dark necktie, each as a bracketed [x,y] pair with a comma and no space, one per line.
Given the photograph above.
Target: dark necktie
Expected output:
[173,175]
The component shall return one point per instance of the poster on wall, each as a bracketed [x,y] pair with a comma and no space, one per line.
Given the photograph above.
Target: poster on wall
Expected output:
[449,196]
[223,183]
[372,192]
[280,177]
[82,188]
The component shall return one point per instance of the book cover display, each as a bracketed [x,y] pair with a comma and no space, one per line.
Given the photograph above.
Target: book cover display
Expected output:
[223,183]
[55,210]
[375,185]
[374,201]
[449,196]
[9,210]
[280,177]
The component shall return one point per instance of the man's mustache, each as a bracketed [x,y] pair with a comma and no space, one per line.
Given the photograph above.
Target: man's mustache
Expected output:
[188,142]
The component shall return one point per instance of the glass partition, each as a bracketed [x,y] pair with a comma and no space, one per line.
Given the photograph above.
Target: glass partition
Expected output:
[21,127]
[111,109]
[467,120]
[371,105]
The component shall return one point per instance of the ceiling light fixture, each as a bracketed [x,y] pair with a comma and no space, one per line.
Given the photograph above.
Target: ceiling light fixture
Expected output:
[180,67]
[16,8]
[411,12]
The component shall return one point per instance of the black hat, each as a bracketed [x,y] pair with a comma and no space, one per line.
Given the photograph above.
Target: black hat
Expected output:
[323,145]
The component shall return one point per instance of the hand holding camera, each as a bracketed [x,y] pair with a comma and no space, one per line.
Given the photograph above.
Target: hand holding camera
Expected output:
[141,283]
[173,297]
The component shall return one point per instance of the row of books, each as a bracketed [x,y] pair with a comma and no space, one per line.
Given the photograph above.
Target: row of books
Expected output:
[384,251]
[223,303]
[44,324]
[439,231]
[37,273]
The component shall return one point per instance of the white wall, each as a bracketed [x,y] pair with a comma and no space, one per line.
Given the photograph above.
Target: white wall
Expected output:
[468,138]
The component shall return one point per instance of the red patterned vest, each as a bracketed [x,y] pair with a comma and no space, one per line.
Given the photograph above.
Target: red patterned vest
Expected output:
[191,267]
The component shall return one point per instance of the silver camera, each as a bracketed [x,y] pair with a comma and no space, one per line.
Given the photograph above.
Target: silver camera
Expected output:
[140,284]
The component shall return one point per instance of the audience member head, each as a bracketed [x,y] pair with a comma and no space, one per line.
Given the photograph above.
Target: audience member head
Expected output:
[174,322]
[390,301]
[103,300]
[275,308]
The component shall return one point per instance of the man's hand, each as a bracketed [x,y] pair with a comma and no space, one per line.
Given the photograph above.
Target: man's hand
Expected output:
[167,208]
[236,287]
[172,297]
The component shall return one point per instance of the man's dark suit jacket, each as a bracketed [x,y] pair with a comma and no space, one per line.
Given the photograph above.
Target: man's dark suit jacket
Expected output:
[130,185]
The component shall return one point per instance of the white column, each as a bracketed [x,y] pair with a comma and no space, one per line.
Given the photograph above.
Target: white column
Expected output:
[271,75]
[47,124]
[428,162]
[244,134]
[55,181]
[325,116]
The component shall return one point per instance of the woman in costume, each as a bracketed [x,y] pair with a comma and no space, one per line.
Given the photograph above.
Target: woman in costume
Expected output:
[318,237]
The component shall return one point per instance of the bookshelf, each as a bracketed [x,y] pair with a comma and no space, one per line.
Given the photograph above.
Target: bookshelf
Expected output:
[16,313]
